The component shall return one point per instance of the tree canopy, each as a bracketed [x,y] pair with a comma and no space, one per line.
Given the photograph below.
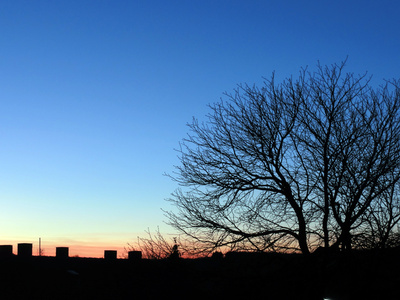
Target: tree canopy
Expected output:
[308,162]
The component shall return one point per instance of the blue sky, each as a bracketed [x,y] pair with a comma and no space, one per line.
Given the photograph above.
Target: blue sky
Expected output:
[95,96]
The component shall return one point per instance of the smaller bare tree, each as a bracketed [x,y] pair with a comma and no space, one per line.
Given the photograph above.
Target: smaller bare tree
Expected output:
[156,246]
[380,225]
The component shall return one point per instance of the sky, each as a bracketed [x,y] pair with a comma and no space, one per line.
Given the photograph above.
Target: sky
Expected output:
[95,97]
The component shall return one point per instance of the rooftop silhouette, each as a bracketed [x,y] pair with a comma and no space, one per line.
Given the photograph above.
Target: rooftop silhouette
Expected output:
[235,275]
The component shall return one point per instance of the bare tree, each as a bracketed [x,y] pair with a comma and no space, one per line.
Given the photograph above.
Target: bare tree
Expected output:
[290,165]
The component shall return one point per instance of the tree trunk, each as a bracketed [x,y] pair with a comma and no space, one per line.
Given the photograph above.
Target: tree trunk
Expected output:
[325,228]
[303,237]
[346,238]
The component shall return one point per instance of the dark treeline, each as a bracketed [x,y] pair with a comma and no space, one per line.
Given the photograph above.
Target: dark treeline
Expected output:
[356,275]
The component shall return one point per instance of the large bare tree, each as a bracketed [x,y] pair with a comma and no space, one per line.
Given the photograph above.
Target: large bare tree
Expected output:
[288,166]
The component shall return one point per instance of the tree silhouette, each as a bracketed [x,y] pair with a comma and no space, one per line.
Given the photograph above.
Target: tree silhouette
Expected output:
[289,166]
[380,222]
[155,246]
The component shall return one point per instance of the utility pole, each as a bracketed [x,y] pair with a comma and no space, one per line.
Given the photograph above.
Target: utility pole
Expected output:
[40,246]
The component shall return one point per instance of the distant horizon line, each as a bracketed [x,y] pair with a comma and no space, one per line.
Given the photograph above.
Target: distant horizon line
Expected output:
[88,251]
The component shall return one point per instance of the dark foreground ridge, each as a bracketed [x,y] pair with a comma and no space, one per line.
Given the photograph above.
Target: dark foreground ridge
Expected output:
[356,275]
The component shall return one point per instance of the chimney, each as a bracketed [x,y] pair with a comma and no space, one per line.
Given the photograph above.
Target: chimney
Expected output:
[6,251]
[24,250]
[110,254]
[62,252]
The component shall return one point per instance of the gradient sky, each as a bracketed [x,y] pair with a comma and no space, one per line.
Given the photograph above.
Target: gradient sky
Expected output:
[95,96]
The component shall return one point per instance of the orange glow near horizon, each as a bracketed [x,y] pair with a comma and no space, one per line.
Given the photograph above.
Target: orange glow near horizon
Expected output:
[89,250]
[83,251]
